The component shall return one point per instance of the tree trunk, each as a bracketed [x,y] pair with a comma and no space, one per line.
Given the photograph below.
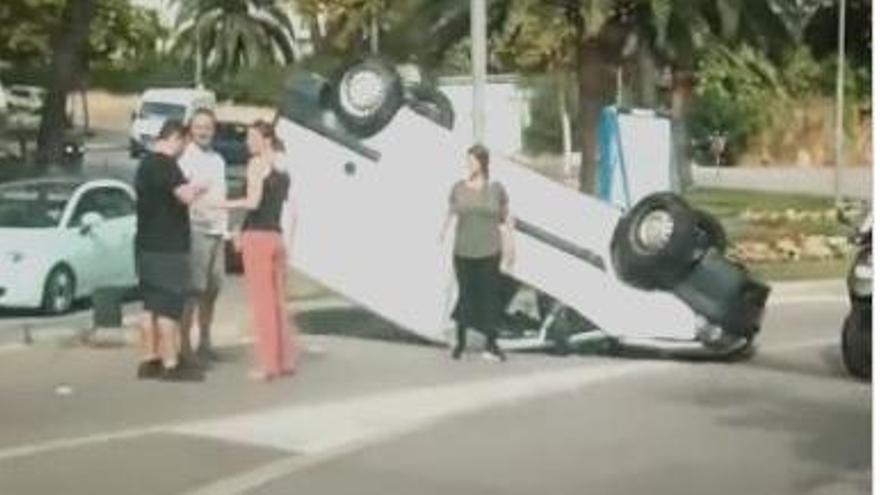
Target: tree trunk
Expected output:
[682,94]
[646,69]
[596,82]
[70,44]
[565,123]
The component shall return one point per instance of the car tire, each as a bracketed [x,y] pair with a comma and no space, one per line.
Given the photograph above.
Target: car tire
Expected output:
[855,345]
[710,231]
[663,265]
[365,120]
[59,291]
[430,102]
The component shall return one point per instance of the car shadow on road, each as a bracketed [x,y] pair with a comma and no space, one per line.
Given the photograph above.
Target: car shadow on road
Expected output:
[834,434]
[355,322]
[826,363]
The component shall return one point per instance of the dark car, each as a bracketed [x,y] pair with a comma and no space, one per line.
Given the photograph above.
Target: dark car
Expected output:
[230,140]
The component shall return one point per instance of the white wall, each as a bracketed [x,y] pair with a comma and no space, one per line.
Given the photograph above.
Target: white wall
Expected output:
[506,112]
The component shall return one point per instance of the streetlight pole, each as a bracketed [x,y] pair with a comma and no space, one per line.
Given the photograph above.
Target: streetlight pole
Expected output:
[478,65]
[839,134]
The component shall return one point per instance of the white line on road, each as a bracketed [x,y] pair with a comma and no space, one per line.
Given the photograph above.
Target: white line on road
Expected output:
[362,422]
[410,419]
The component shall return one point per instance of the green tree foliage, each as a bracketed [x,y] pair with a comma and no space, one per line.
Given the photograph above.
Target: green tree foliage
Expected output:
[234,33]
[119,31]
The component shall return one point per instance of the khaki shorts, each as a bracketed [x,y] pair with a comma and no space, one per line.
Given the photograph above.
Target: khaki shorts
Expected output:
[207,261]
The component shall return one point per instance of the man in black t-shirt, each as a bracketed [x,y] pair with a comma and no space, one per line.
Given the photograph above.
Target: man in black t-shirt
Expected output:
[162,245]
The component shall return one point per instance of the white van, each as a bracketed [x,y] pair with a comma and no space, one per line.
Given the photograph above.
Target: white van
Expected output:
[155,106]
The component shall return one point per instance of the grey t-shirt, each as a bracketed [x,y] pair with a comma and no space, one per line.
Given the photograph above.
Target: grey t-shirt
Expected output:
[479,211]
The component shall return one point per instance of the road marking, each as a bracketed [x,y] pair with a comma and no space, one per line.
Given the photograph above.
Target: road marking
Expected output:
[365,421]
[71,443]
[241,483]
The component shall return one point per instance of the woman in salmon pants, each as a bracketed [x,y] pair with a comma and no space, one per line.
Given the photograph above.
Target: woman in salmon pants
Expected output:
[263,253]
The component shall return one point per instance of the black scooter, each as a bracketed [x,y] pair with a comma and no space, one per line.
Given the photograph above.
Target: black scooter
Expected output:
[856,334]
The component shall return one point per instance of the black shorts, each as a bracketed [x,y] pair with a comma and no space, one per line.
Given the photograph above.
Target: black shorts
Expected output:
[165,282]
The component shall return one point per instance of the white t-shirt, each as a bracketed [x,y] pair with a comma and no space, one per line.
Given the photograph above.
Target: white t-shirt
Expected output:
[206,167]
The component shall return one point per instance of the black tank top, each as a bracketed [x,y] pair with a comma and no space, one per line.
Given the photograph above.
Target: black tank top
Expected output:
[267,216]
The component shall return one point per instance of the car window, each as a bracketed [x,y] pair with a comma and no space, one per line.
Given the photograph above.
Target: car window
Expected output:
[151,109]
[33,205]
[109,202]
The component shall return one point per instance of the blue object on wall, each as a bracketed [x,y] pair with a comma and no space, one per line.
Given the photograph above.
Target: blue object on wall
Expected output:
[611,160]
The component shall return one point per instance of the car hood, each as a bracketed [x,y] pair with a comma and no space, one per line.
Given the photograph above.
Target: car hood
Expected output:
[149,126]
[29,241]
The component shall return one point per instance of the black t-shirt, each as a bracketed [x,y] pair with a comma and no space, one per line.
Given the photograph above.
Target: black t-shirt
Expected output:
[162,220]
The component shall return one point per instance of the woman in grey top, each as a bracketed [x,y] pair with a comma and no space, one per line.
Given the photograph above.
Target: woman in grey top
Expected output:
[483,242]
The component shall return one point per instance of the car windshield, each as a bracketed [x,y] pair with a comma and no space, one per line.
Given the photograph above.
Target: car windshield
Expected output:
[33,206]
[153,109]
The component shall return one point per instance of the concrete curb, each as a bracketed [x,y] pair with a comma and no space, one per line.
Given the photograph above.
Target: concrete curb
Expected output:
[77,330]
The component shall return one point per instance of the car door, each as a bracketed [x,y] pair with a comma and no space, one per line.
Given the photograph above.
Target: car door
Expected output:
[118,206]
[91,249]
[105,252]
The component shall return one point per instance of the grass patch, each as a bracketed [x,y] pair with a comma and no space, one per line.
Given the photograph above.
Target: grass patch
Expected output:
[801,270]
[728,205]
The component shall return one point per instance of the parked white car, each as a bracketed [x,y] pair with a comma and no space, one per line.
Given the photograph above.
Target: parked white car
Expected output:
[26,98]
[155,106]
[61,238]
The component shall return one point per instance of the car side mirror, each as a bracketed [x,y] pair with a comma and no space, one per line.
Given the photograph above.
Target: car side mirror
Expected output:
[90,221]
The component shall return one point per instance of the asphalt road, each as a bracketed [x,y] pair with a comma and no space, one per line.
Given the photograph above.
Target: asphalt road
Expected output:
[376,417]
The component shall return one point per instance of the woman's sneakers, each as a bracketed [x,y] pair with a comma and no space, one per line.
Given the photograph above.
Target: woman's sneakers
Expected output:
[491,354]
[494,353]
[457,351]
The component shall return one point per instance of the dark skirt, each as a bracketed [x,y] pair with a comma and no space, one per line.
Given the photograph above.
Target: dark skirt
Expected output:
[479,304]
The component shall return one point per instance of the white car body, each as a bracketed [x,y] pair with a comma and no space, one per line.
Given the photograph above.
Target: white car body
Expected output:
[368,228]
[99,256]
[155,106]
[25,98]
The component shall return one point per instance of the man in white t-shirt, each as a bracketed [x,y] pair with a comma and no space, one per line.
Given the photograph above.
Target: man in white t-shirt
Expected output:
[210,229]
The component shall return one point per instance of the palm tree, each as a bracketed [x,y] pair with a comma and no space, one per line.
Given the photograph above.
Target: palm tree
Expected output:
[228,35]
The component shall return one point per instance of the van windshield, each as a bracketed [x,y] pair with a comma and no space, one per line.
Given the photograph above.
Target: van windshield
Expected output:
[155,109]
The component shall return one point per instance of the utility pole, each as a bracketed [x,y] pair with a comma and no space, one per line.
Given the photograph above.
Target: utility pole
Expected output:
[839,131]
[478,66]
[374,31]
[199,63]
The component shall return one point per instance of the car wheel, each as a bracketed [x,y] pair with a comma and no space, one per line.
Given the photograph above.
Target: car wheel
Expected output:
[655,244]
[856,347]
[59,291]
[431,103]
[710,231]
[366,96]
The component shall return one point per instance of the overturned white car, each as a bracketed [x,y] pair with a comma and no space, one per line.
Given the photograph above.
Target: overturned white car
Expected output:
[374,158]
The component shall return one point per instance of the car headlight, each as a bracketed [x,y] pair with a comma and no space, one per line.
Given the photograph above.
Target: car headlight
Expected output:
[362,93]
[655,230]
[862,281]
